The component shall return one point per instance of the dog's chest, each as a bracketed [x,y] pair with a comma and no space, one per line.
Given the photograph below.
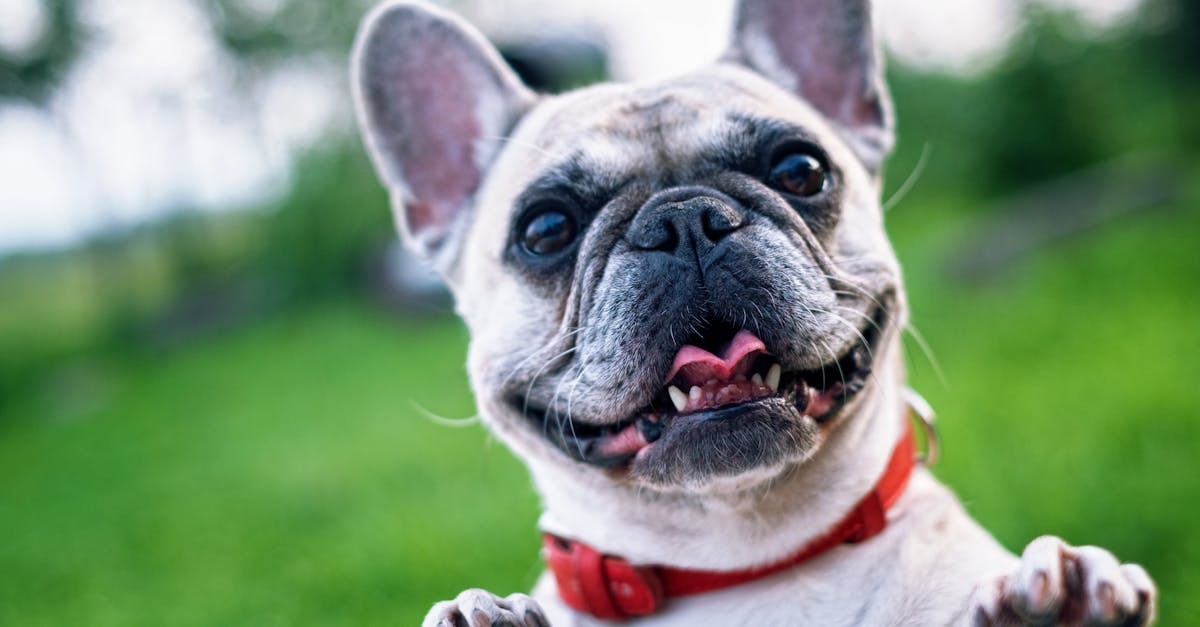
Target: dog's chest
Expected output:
[919,571]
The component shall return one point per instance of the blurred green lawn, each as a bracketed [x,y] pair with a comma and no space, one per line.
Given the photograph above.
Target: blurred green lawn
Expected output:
[279,474]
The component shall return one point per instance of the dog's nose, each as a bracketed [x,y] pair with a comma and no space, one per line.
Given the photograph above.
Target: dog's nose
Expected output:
[685,221]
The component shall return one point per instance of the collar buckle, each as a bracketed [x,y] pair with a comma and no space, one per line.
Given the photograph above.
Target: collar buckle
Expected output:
[920,408]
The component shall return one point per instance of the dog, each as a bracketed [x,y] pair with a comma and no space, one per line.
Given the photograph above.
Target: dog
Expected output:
[684,315]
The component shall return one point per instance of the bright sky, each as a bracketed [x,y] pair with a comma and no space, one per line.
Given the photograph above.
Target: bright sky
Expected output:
[151,120]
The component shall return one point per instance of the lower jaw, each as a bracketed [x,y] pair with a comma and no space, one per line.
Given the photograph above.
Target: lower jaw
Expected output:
[725,439]
[725,442]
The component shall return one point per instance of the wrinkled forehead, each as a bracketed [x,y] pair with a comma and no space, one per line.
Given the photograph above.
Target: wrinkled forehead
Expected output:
[668,126]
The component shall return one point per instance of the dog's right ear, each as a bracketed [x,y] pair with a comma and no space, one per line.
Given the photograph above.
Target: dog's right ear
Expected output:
[824,51]
[434,102]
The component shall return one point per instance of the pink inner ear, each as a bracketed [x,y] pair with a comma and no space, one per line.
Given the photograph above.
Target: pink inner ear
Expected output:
[831,76]
[442,127]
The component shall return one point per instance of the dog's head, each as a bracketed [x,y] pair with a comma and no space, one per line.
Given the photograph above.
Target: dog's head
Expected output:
[679,285]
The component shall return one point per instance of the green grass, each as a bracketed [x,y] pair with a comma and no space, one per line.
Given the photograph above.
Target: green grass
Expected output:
[1071,404]
[276,476]
[279,475]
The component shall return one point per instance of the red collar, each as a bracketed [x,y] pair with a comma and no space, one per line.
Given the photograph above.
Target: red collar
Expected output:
[611,588]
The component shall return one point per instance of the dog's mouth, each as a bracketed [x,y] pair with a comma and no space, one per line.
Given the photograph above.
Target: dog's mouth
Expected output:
[722,373]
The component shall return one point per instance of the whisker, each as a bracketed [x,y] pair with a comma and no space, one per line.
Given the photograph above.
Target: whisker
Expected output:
[510,140]
[533,380]
[828,349]
[871,374]
[910,181]
[849,325]
[858,291]
[861,314]
[928,351]
[570,399]
[559,337]
[834,359]
[443,421]
[554,405]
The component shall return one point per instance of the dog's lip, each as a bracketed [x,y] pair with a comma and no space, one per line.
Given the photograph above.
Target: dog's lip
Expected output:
[623,444]
[818,394]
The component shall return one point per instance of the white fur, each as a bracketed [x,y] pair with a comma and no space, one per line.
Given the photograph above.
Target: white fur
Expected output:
[931,551]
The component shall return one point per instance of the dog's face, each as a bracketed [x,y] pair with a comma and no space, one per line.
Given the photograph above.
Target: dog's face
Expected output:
[680,285]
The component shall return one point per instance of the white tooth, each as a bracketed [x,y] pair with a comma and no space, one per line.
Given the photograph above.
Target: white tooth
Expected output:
[677,397]
[773,377]
[757,379]
[694,393]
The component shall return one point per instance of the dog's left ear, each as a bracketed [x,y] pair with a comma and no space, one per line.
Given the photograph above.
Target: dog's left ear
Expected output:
[825,52]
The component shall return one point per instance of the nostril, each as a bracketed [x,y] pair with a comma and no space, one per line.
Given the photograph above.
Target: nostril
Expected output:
[717,223]
[659,235]
[669,239]
[684,219]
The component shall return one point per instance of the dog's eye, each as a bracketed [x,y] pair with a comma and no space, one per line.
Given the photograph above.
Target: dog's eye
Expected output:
[549,231]
[800,173]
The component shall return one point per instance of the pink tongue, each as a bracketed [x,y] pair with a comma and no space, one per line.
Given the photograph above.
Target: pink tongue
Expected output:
[694,365]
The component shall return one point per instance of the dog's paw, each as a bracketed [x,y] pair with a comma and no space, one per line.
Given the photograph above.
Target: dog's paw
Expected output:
[480,608]
[1058,584]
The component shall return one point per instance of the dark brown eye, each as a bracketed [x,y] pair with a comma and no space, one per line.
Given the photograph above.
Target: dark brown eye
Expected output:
[798,173]
[550,231]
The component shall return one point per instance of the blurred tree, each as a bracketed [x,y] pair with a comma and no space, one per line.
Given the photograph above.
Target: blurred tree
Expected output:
[257,32]
[32,73]
[318,240]
[1061,99]
[1178,41]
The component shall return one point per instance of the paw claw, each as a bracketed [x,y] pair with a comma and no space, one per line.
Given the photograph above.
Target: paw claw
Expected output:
[1106,602]
[479,608]
[1057,584]
[1039,598]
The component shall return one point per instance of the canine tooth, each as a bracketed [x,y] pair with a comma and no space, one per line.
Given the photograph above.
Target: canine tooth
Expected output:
[757,379]
[694,394]
[677,397]
[773,377]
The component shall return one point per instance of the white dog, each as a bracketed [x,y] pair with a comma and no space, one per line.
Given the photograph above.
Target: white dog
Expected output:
[683,310]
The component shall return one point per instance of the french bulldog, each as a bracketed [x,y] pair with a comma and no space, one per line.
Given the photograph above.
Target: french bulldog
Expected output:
[684,314]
